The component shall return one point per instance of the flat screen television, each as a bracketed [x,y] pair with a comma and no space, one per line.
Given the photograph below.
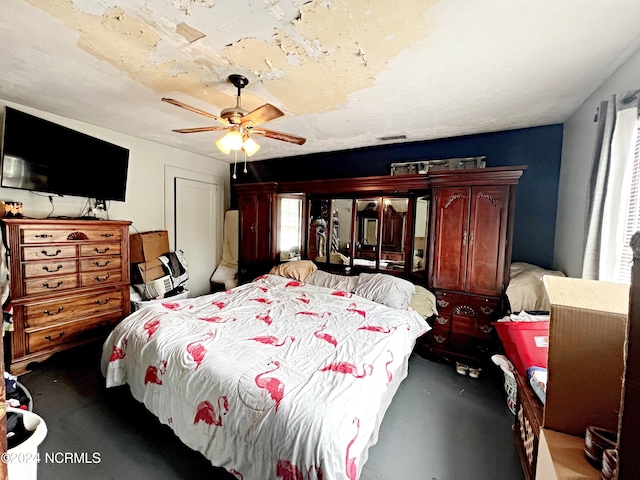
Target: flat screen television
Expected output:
[43,156]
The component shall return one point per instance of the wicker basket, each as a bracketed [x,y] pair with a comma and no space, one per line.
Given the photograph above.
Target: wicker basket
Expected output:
[510,385]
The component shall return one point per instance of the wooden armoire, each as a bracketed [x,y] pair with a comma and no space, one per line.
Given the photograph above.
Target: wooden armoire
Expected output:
[464,257]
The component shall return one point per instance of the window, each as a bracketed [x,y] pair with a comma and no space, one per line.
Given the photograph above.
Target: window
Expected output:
[290,226]
[632,220]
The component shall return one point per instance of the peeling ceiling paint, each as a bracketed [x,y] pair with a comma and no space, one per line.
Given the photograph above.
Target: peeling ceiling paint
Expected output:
[345,72]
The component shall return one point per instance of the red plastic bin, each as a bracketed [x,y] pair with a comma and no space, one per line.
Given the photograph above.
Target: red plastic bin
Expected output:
[526,344]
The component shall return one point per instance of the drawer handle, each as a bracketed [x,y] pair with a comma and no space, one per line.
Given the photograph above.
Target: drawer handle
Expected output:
[442,320]
[46,268]
[439,338]
[46,285]
[98,302]
[97,250]
[442,303]
[44,252]
[48,337]
[47,312]
[106,235]
[97,264]
[44,235]
[98,279]
[486,310]
[486,328]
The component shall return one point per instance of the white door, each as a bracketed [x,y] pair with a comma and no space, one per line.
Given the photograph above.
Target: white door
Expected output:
[194,215]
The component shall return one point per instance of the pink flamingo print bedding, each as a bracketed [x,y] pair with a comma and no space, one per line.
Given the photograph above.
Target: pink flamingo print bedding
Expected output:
[273,380]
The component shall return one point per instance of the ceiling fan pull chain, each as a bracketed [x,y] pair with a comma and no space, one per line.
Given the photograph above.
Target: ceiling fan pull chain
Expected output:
[245,160]
[234,165]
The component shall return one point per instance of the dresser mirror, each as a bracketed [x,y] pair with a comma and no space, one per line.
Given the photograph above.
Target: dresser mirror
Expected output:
[420,235]
[392,245]
[366,251]
[318,225]
[341,228]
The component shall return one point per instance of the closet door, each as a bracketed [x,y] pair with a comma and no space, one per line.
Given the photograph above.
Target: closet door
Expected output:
[487,240]
[450,238]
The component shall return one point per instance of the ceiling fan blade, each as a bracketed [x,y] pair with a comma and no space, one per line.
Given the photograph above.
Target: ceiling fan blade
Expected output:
[261,115]
[194,110]
[285,137]
[199,129]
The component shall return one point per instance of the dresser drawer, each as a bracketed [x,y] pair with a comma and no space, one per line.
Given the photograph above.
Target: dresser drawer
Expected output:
[464,321]
[45,252]
[66,309]
[442,322]
[91,279]
[69,234]
[99,264]
[469,314]
[98,250]
[439,339]
[42,269]
[43,338]
[50,284]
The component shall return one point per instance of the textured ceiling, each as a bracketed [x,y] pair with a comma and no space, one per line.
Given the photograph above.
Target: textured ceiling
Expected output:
[345,72]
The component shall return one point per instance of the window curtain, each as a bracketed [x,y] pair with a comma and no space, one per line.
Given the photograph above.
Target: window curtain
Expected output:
[608,190]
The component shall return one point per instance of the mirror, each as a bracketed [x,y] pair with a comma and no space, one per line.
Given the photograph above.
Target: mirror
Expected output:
[420,235]
[366,251]
[341,227]
[290,227]
[394,217]
[318,225]
[370,231]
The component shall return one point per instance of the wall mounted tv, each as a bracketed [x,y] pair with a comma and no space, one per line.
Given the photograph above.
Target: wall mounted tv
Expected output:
[43,156]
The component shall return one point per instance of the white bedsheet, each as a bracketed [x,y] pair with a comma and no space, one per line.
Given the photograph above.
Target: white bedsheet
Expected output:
[271,380]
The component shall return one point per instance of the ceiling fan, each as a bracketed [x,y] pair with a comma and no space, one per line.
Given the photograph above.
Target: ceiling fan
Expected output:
[239,123]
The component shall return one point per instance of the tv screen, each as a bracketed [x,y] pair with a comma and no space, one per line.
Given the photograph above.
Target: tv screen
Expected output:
[46,157]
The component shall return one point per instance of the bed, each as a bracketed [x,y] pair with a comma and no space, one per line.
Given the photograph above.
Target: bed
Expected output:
[275,379]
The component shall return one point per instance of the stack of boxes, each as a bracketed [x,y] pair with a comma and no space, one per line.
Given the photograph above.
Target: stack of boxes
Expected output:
[149,275]
[585,366]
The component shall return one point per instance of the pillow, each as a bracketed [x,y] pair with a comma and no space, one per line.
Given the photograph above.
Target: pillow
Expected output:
[526,290]
[297,269]
[386,289]
[423,302]
[321,278]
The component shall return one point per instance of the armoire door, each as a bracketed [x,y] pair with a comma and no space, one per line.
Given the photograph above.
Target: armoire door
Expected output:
[255,224]
[487,240]
[451,230]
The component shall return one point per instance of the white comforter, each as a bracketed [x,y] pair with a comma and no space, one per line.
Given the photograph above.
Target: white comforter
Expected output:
[271,380]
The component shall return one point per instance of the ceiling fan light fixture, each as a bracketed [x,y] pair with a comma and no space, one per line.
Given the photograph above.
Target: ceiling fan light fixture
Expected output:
[222,145]
[231,141]
[250,146]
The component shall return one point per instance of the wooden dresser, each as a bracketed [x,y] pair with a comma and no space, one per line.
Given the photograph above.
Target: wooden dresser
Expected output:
[69,282]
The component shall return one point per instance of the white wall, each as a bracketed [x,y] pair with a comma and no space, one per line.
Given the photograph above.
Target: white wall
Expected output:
[144,205]
[575,170]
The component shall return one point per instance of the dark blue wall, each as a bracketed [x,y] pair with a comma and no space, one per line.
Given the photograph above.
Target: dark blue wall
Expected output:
[539,148]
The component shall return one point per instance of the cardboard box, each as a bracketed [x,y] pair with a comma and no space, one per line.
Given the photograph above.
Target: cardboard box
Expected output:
[587,328]
[147,271]
[561,457]
[147,246]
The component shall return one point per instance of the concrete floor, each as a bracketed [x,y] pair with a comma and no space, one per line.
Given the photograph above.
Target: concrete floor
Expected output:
[440,426]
